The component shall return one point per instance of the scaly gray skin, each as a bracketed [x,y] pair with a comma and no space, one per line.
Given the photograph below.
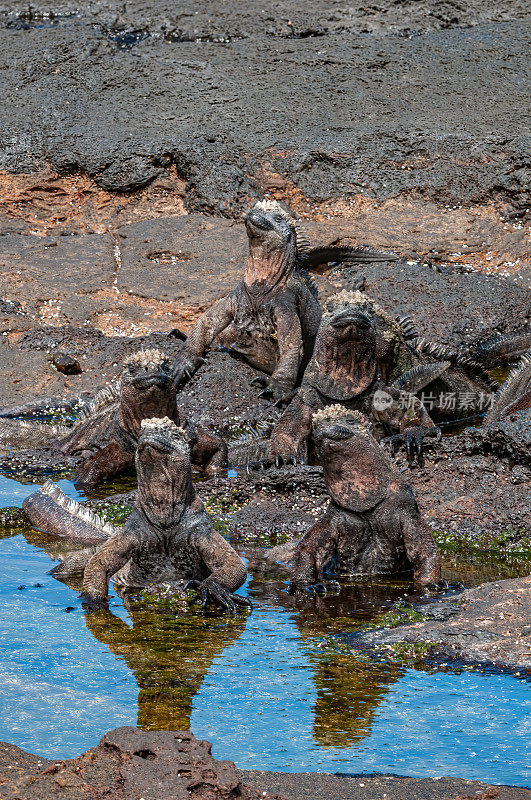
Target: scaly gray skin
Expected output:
[417,365]
[344,370]
[514,394]
[271,318]
[104,438]
[167,538]
[500,349]
[372,525]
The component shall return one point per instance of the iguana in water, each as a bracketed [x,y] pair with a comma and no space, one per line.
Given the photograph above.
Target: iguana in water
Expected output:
[103,440]
[372,525]
[168,537]
[272,316]
[344,370]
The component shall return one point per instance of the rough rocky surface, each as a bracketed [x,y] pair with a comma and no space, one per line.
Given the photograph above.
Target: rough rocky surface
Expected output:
[130,763]
[433,95]
[323,786]
[488,624]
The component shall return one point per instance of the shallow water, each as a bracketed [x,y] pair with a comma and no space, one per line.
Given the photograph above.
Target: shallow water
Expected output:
[265,687]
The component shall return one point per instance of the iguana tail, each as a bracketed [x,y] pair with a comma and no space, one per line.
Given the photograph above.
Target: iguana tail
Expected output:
[514,394]
[343,254]
[50,510]
[500,349]
[248,451]
[22,434]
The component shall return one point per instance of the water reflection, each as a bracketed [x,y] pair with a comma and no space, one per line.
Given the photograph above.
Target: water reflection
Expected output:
[168,655]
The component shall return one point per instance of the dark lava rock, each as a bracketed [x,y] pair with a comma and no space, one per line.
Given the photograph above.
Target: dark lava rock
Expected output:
[323,786]
[129,763]
[174,765]
[493,626]
[454,308]
[337,99]
[66,364]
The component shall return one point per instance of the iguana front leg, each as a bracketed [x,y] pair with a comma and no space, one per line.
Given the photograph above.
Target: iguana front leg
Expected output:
[313,552]
[290,346]
[105,463]
[406,416]
[205,330]
[421,550]
[108,559]
[290,434]
[227,570]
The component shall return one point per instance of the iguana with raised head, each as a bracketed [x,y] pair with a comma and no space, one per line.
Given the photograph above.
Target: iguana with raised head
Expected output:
[272,316]
[103,441]
[168,537]
[372,525]
[344,370]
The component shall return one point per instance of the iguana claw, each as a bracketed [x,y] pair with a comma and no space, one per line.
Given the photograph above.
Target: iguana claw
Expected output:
[212,591]
[414,440]
[89,603]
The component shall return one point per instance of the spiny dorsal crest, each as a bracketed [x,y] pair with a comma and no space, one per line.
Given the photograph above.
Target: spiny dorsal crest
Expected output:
[336,412]
[444,353]
[146,358]
[78,510]
[105,397]
[164,424]
[347,299]
[518,382]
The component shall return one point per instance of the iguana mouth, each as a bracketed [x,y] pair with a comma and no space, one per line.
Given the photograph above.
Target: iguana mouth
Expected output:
[147,381]
[255,219]
[350,317]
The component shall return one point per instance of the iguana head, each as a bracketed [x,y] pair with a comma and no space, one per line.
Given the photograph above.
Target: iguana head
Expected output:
[163,470]
[357,471]
[146,389]
[344,358]
[272,245]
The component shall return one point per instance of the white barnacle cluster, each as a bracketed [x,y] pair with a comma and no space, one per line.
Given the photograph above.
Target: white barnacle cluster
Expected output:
[146,358]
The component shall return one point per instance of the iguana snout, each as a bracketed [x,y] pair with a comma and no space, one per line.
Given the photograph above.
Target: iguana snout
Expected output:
[269,219]
[353,319]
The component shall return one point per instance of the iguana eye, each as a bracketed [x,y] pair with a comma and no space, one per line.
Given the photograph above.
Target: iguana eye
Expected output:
[278,217]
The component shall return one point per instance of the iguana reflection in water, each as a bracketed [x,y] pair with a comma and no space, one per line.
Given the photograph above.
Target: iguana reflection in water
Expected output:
[168,655]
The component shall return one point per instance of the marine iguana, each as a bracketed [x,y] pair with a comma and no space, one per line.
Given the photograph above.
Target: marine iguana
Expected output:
[344,370]
[272,316]
[372,525]
[416,365]
[103,440]
[168,536]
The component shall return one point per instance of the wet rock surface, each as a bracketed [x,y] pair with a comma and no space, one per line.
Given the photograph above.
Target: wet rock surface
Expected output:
[130,763]
[488,624]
